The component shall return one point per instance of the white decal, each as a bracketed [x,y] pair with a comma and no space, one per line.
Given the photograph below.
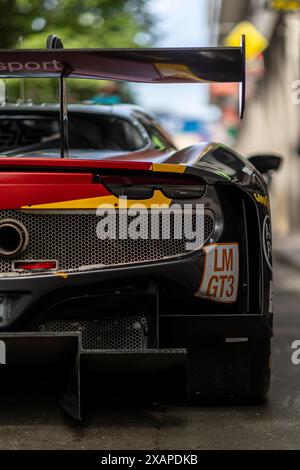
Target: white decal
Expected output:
[267,241]
[2,353]
[271,298]
[221,273]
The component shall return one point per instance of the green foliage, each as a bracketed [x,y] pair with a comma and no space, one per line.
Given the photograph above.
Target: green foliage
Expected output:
[79,23]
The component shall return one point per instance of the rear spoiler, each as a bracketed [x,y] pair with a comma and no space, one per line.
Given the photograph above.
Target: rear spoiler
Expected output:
[163,65]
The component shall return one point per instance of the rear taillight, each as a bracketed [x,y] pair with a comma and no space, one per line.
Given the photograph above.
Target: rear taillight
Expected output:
[143,187]
[35,266]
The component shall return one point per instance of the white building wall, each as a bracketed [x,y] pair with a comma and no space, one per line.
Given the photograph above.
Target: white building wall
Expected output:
[272,123]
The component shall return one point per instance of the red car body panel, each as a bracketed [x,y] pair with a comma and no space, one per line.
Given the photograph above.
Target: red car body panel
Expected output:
[123,162]
[40,180]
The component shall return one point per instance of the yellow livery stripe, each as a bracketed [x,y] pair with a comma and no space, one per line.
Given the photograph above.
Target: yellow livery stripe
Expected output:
[106,202]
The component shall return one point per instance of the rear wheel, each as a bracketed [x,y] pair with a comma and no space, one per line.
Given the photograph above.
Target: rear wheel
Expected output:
[229,371]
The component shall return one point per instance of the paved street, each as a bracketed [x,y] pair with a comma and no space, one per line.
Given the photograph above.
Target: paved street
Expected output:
[34,422]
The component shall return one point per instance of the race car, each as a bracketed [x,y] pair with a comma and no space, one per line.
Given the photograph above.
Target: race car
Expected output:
[117,246]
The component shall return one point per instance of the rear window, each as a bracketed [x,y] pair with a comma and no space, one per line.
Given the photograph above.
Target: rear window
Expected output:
[86,132]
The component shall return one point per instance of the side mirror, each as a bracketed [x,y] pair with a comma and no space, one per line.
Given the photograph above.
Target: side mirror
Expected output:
[266,163]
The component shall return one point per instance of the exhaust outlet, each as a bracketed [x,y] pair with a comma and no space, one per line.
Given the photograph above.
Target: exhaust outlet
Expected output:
[13,237]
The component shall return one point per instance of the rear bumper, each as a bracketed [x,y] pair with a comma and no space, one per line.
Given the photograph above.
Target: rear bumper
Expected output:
[32,296]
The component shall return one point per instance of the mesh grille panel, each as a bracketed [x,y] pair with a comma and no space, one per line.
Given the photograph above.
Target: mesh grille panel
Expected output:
[108,333]
[70,239]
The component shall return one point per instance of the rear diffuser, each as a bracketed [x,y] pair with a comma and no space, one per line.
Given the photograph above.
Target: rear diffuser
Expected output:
[63,353]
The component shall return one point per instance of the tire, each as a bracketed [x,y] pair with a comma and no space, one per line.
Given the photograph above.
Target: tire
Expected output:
[221,372]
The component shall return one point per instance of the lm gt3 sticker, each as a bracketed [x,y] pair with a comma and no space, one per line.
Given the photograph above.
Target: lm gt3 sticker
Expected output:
[221,273]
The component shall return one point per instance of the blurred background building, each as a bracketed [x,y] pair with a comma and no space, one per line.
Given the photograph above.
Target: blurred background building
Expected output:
[272,120]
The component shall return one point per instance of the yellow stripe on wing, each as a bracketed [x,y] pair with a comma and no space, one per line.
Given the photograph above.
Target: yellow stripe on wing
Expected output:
[177,71]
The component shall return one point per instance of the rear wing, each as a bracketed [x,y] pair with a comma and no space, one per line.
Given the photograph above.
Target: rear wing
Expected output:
[163,65]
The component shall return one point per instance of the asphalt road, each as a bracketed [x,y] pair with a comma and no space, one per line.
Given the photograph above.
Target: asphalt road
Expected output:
[31,420]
